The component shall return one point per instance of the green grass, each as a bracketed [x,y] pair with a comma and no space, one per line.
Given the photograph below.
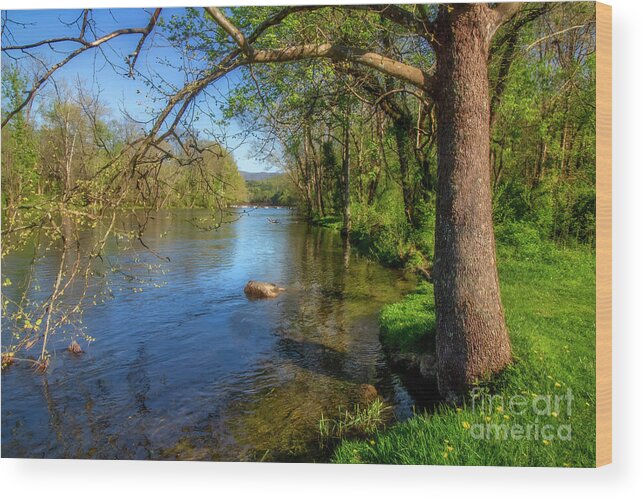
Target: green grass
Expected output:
[362,421]
[549,299]
[404,325]
[333,222]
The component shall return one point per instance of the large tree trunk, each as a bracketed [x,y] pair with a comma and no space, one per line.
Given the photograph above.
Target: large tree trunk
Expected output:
[472,339]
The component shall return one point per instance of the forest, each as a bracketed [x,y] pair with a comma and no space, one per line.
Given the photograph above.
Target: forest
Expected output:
[455,142]
[275,190]
[60,150]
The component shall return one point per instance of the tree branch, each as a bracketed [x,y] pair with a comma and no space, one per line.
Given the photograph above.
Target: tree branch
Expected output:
[508,43]
[85,45]
[229,28]
[278,17]
[148,29]
[552,35]
[505,11]
[410,74]
[398,15]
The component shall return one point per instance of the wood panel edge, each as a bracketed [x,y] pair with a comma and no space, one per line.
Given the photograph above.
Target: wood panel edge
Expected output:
[603,234]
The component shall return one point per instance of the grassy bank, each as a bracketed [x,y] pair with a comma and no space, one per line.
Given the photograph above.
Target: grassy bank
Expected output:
[541,410]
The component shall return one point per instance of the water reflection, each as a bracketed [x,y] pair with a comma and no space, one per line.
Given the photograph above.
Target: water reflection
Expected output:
[193,370]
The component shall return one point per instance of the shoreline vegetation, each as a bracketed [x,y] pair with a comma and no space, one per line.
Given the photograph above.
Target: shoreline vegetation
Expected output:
[548,293]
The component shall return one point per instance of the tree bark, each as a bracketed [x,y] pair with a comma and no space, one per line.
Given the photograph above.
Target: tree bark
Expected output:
[317,170]
[403,143]
[346,174]
[472,340]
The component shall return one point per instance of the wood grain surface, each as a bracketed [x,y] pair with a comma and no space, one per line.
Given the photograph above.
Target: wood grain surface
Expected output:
[603,234]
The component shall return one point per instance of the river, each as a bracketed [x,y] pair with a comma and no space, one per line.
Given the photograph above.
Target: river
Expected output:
[186,367]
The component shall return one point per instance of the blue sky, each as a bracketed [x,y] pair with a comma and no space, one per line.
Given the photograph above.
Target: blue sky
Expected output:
[117,91]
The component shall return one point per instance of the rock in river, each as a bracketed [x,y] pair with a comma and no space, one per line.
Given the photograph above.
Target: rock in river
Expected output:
[367,394]
[259,289]
[74,347]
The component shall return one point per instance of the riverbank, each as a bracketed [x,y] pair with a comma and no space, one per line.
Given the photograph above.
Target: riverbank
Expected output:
[541,410]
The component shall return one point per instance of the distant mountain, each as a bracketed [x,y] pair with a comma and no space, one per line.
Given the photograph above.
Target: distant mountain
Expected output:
[258,175]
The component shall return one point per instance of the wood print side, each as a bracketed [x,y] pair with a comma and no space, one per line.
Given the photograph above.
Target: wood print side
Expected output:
[603,234]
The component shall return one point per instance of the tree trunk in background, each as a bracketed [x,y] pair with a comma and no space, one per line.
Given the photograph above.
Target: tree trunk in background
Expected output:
[426,180]
[305,170]
[305,188]
[346,174]
[319,188]
[472,339]
[403,128]
[316,172]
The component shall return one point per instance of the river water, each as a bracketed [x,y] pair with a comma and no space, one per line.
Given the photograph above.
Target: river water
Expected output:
[186,367]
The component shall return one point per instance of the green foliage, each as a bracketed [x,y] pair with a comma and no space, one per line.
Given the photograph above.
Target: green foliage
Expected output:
[276,190]
[19,147]
[75,150]
[523,239]
[213,182]
[382,232]
[544,137]
[329,221]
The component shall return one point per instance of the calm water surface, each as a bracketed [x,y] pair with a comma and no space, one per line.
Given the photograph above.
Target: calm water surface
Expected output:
[194,370]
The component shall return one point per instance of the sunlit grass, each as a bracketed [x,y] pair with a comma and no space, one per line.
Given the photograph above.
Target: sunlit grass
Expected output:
[361,421]
[549,300]
[409,325]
